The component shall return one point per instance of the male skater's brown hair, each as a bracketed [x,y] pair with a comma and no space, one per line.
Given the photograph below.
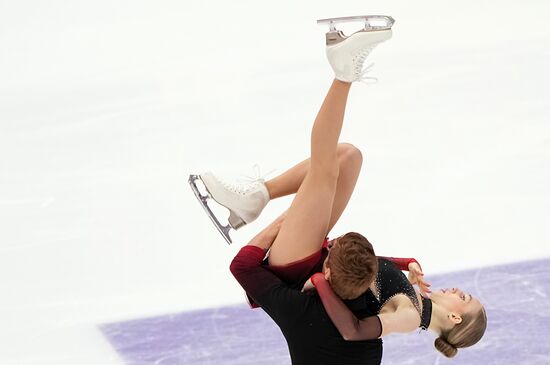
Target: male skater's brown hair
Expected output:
[353,265]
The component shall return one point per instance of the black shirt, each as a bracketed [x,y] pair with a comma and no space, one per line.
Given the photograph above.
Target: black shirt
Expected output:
[311,336]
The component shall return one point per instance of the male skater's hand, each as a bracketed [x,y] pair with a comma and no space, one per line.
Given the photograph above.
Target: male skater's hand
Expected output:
[308,286]
[416,276]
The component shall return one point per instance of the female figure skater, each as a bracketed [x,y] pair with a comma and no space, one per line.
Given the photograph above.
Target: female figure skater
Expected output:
[458,318]
[323,186]
[317,206]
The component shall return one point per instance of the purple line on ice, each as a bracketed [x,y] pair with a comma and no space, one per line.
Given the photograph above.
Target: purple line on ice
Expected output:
[517,298]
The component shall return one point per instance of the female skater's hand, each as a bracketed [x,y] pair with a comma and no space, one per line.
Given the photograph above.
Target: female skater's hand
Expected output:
[416,276]
[265,238]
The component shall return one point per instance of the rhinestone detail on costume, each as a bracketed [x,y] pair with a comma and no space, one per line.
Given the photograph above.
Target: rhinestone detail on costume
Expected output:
[390,282]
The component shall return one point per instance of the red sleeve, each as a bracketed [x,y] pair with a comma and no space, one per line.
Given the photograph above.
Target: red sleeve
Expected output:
[351,328]
[401,262]
[247,268]
[285,305]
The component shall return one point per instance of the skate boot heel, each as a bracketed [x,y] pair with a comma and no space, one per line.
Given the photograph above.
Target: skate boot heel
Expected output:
[334,37]
[235,221]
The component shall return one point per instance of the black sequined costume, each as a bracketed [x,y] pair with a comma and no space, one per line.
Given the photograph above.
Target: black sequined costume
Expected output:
[390,281]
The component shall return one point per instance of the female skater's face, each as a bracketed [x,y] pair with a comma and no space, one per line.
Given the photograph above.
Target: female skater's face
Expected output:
[456,301]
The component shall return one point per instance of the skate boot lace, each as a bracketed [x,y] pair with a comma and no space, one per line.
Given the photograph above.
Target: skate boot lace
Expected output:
[359,60]
[241,189]
[247,183]
[257,177]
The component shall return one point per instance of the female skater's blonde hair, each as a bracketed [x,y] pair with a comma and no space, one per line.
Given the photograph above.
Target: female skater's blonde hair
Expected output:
[353,265]
[465,334]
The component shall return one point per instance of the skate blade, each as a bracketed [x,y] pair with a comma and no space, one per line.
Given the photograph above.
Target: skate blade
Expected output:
[372,22]
[203,200]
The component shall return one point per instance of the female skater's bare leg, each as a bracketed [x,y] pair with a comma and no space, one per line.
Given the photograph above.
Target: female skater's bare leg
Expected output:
[307,220]
[349,163]
[246,202]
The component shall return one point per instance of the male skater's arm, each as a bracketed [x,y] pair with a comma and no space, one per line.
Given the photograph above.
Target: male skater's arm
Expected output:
[265,288]
[343,318]
[350,327]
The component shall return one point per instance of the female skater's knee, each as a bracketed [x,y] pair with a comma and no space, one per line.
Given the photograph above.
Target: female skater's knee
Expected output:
[348,154]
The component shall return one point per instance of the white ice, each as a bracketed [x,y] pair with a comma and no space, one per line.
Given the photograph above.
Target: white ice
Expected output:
[107,106]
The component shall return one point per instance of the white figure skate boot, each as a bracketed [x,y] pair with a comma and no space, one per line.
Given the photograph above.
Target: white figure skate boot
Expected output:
[347,55]
[244,201]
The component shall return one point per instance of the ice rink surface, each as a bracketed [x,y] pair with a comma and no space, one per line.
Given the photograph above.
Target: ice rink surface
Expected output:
[106,107]
[519,321]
